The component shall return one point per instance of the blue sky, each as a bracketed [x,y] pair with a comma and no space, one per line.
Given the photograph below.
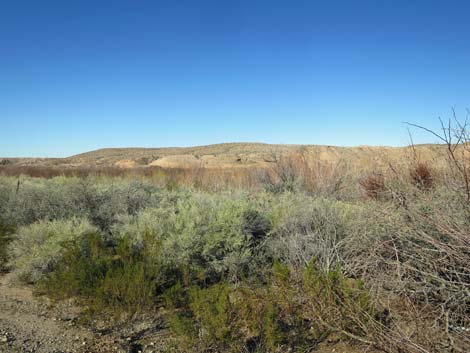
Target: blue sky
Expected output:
[81,75]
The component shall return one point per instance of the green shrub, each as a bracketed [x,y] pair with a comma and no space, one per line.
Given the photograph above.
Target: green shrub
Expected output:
[290,313]
[27,200]
[204,235]
[5,238]
[104,202]
[36,249]
[80,270]
[32,200]
[109,276]
[5,162]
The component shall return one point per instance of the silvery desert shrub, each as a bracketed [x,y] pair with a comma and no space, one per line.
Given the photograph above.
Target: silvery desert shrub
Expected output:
[305,228]
[211,235]
[35,249]
[27,200]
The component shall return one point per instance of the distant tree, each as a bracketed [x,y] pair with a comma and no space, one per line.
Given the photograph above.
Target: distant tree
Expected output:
[5,162]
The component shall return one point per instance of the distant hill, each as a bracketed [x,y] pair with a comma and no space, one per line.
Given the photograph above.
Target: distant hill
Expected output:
[235,155]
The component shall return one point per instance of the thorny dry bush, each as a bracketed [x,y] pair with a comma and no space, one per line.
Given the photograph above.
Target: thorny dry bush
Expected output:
[416,256]
[373,185]
[300,171]
[416,261]
[421,175]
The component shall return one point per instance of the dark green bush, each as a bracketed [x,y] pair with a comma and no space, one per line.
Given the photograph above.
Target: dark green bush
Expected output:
[5,238]
[256,225]
[108,275]
[290,313]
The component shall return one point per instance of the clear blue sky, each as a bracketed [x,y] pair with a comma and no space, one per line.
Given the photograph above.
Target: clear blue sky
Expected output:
[80,75]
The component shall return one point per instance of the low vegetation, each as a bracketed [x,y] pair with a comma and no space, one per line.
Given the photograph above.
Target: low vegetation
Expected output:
[378,260]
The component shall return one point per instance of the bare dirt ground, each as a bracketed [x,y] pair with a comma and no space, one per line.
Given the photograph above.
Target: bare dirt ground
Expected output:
[31,324]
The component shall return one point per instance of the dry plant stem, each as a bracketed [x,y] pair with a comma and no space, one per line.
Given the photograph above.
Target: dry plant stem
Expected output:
[461,134]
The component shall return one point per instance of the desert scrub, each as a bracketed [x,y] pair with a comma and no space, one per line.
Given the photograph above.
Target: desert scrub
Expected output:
[111,277]
[292,312]
[5,238]
[417,257]
[194,239]
[305,227]
[118,245]
[36,249]
[26,200]
[107,200]
[209,236]
[32,200]
[6,224]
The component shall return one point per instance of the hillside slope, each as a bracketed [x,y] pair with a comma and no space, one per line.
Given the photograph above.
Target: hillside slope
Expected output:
[235,155]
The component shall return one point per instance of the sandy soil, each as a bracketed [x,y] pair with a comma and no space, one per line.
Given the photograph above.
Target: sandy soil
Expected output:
[31,324]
